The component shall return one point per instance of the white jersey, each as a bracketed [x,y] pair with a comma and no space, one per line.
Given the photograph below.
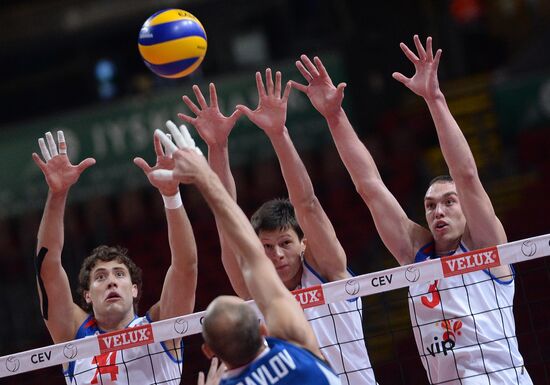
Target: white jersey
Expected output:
[464,328]
[143,365]
[339,331]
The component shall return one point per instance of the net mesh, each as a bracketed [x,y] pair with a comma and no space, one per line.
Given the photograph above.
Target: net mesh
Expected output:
[387,319]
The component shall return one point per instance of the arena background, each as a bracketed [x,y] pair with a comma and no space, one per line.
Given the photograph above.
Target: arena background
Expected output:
[75,66]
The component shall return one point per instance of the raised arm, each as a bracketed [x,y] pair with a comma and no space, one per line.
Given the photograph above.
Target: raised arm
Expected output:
[214,128]
[401,236]
[61,315]
[324,251]
[282,313]
[483,227]
[178,292]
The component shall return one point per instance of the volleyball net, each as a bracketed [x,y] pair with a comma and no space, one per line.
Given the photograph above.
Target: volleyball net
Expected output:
[332,292]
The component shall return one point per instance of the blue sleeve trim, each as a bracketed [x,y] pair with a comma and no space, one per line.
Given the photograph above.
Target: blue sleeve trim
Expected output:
[308,266]
[165,348]
[323,280]
[421,253]
[500,281]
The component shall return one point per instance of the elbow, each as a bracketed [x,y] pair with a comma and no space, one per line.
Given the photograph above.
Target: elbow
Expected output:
[367,190]
[309,204]
[465,174]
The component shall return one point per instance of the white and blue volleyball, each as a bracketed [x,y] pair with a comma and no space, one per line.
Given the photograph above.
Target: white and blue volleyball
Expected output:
[172,43]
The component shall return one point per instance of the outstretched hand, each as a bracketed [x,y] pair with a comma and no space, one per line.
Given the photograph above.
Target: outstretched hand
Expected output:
[325,97]
[164,162]
[213,127]
[59,172]
[270,115]
[190,164]
[424,82]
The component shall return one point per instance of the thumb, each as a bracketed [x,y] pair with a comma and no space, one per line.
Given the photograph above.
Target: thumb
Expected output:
[244,109]
[141,163]
[400,77]
[85,164]
[298,86]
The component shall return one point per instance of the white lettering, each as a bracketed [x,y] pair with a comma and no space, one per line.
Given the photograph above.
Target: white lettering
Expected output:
[451,264]
[278,367]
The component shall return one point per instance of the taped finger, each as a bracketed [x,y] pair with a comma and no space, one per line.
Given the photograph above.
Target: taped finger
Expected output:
[176,134]
[61,142]
[169,151]
[44,150]
[51,144]
[169,146]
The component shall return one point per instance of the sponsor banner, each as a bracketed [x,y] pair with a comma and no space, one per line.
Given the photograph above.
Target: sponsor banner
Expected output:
[310,297]
[126,338]
[470,261]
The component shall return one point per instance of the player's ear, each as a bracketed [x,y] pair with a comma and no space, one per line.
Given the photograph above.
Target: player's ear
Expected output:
[207,351]
[264,332]
[303,244]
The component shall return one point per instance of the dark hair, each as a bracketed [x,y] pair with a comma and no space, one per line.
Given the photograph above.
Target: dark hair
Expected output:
[441,179]
[276,214]
[106,254]
[232,332]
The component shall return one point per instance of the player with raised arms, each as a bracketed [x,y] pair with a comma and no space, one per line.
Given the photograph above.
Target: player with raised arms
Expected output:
[297,235]
[110,282]
[284,349]
[463,325]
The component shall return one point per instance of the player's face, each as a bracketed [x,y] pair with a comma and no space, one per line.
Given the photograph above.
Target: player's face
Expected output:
[111,289]
[285,249]
[444,214]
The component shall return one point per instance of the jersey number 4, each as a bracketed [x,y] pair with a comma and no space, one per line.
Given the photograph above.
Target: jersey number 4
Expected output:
[106,364]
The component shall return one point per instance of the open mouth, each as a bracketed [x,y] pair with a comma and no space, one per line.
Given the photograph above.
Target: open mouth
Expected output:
[113,296]
[441,225]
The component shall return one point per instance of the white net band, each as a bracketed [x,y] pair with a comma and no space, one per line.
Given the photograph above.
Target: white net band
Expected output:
[346,289]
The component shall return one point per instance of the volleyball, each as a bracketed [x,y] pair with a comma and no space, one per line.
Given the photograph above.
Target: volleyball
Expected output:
[172,43]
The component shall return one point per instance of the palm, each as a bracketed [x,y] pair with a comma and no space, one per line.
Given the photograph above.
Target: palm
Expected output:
[270,115]
[60,173]
[324,96]
[424,82]
[212,126]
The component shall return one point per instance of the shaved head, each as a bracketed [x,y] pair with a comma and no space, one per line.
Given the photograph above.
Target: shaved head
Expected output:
[231,330]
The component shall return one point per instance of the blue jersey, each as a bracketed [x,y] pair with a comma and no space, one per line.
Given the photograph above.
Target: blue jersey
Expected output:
[285,364]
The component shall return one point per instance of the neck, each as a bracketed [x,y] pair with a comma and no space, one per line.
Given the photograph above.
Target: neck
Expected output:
[446,248]
[234,370]
[110,322]
[295,281]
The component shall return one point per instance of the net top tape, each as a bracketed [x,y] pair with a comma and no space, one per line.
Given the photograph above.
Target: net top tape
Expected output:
[346,289]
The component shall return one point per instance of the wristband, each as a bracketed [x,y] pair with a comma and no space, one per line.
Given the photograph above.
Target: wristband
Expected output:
[173,201]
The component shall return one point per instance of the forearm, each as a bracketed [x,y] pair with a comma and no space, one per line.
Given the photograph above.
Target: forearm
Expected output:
[51,230]
[218,158]
[297,180]
[355,156]
[182,241]
[231,221]
[455,149]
